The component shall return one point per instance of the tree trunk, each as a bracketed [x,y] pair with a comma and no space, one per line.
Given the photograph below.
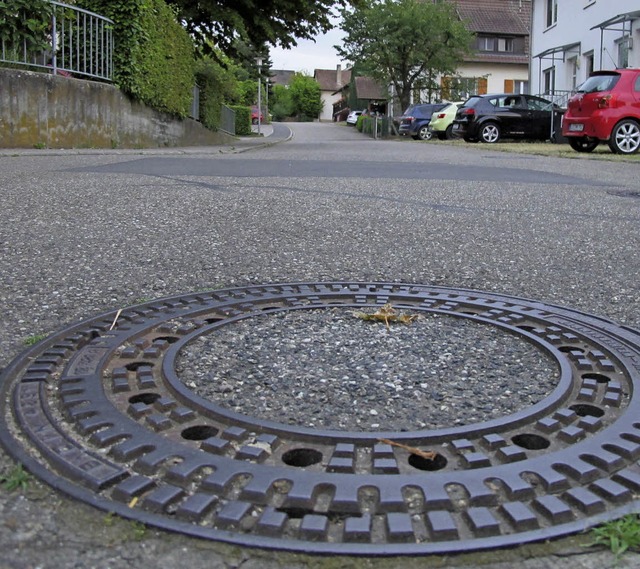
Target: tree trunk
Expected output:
[405,98]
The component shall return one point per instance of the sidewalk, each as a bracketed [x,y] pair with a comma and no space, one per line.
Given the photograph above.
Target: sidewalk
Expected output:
[270,134]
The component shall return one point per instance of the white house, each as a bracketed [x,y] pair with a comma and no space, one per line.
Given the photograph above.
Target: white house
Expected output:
[500,59]
[572,38]
[331,81]
[499,62]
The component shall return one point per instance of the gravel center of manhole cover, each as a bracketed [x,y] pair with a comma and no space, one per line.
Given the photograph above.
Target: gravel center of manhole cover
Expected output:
[328,369]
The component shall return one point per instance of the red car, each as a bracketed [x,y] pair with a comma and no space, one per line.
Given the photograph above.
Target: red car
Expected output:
[254,116]
[605,108]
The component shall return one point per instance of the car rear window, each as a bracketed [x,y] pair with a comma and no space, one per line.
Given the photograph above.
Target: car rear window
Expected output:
[599,83]
[472,102]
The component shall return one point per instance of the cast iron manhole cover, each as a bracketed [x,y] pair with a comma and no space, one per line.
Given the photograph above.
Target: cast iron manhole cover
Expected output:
[99,412]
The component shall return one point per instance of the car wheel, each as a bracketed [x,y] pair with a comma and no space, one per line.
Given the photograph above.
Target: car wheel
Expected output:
[625,137]
[583,144]
[424,133]
[448,133]
[490,133]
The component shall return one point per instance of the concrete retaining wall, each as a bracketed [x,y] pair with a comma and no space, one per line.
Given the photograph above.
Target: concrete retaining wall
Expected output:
[42,110]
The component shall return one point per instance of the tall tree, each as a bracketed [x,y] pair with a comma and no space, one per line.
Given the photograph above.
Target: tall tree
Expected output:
[404,43]
[306,97]
[221,23]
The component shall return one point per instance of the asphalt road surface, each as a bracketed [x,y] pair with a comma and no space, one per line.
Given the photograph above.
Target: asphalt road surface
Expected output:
[82,233]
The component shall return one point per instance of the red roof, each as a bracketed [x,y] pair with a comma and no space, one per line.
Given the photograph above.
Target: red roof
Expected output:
[332,79]
[511,17]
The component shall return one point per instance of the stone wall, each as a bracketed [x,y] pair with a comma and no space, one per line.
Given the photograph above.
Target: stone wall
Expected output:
[46,111]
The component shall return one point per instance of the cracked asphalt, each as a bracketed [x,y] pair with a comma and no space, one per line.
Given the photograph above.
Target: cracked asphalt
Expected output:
[85,232]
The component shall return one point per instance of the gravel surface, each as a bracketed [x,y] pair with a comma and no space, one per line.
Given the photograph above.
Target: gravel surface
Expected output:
[327,368]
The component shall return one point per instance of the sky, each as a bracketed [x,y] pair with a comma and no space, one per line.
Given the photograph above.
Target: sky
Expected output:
[308,55]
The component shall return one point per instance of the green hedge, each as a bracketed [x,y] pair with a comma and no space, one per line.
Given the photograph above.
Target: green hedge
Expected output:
[154,58]
[24,24]
[218,85]
[243,119]
[210,98]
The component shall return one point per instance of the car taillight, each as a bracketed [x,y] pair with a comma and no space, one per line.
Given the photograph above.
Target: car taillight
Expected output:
[440,116]
[605,102]
[468,112]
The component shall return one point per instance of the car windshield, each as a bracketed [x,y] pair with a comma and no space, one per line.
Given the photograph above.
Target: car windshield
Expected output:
[537,104]
[597,83]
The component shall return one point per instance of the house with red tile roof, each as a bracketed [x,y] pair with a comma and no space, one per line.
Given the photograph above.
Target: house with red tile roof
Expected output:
[361,93]
[331,82]
[501,50]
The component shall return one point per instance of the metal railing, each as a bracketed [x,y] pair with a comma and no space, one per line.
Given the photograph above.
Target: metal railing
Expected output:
[377,126]
[560,98]
[195,104]
[77,42]
[227,120]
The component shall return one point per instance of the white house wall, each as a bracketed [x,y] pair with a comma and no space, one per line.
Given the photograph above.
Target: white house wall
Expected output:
[575,18]
[327,105]
[495,74]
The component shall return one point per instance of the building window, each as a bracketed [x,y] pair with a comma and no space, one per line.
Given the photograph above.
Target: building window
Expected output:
[517,86]
[588,63]
[505,44]
[486,44]
[624,45]
[549,80]
[573,70]
[461,88]
[552,12]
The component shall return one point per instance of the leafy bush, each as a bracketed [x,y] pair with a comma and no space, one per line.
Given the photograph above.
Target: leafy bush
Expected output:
[217,86]
[306,97]
[280,104]
[279,111]
[25,23]
[167,67]
[243,119]
[247,92]
[154,58]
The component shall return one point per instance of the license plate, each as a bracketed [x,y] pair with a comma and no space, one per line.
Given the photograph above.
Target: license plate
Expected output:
[576,127]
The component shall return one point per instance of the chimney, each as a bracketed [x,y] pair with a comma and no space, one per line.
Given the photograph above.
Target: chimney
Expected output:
[339,75]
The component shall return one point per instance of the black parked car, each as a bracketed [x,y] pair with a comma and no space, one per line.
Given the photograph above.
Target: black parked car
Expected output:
[415,120]
[489,118]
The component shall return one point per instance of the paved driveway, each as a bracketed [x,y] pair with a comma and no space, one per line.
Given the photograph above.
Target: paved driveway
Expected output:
[87,232]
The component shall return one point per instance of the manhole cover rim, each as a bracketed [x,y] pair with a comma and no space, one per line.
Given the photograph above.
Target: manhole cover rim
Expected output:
[605,327]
